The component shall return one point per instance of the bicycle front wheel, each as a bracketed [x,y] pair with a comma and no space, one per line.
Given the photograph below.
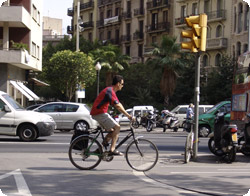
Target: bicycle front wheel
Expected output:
[85,152]
[188,147]
[142,155]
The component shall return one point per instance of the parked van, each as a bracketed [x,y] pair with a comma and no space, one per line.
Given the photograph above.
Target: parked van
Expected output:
[16,121]
[142,109]
[181,111]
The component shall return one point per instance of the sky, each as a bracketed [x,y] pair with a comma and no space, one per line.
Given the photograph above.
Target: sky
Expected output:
[58,9]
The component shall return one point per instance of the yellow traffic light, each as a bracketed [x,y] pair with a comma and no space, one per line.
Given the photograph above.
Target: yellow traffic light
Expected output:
[197,35]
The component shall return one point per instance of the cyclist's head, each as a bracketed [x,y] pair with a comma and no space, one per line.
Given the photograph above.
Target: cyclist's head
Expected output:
[116,79]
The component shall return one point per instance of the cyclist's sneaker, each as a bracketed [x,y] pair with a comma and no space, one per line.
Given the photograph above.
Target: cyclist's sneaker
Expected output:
[116,153]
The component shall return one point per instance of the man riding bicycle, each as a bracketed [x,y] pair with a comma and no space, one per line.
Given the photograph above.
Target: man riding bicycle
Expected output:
[99,112]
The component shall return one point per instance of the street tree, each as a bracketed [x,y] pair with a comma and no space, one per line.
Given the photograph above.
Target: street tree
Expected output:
[111,59]
[166,57]
[68,69]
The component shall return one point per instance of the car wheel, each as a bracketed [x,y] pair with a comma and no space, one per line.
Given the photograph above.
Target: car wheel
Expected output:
[27,133]
[81,126]
[204,131]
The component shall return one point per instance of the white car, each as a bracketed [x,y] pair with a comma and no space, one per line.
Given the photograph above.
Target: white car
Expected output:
[16,121]
[69,115]
[124,119]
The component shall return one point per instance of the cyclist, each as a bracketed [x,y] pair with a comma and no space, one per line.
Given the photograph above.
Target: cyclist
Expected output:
[99,112]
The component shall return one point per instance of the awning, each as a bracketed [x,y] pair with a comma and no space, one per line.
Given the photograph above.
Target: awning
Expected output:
[24,90]
[39,82]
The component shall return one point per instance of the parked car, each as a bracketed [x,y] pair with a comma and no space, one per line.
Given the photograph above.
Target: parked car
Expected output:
[124,119]
[141,109]
[206,120]
[16,121]
[69,115]
[181,111]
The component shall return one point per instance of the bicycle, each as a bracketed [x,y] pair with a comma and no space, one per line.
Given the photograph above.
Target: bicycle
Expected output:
[188,154]
[86,152]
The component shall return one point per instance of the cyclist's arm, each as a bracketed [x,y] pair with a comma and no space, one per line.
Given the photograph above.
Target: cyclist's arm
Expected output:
[121,109]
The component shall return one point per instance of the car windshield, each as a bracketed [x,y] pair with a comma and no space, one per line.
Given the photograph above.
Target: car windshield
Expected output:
[13,103]
[213,108]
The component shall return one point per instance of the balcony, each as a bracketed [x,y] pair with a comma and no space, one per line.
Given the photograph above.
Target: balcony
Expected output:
[127,15]
[139,12]
[88,5]
[138,35]
[16,16]
[70,29]
[112,20]
[87,25]
[100,23]
[70,12]
[158,27]
[156,4]
[216,15]
[180,21]
[20,58]
[217,43]
[148,51]
[126,38]
[107,2]
[114,41]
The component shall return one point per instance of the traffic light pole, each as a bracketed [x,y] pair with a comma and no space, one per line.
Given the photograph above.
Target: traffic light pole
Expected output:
[197,100]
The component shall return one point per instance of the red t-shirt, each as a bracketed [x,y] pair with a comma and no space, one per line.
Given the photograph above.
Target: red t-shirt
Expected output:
[106,96]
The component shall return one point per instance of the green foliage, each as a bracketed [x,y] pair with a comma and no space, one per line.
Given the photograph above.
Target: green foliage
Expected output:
[17,45]
[219,81]
[67,69]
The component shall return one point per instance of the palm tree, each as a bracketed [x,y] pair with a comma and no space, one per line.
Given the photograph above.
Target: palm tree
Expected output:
[112,59]
[166,57]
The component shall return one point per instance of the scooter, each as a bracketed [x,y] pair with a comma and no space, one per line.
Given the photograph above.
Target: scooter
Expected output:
[151,121]
[223,141]
[244,139]
[170,121]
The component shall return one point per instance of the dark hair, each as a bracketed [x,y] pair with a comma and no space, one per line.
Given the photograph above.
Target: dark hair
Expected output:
[116,79]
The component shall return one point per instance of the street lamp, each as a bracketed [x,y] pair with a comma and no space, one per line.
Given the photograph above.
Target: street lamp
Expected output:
[98,68]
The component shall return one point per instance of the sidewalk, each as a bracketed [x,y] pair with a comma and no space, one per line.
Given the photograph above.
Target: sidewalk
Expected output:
[208,175]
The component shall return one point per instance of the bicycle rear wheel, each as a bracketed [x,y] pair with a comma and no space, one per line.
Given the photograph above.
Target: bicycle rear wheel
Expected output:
[85,152]
[189,147]
[142,155]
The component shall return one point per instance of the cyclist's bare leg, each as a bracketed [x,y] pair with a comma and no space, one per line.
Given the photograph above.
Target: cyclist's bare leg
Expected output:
[114,135]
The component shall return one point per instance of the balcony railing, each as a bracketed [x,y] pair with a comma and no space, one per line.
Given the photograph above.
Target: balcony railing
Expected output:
[164,26]
[220,14]
[138,35]
[180,21]
[87,5]
[106,2]
[217,43]
[70,29]
[139,12]
[70,12]
[89,24]
[127,15]
[126,38]
[157,4]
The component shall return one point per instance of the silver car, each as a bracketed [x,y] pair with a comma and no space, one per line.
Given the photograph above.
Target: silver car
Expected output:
[69,115]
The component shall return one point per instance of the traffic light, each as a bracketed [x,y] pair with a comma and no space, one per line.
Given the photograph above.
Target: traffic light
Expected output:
[198,33]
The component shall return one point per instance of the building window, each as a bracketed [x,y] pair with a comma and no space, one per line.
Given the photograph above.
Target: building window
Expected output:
[154,21]
[33,52]
[217,59]
[117,11]
[109,35]
[245,48]
[219,31]
[206,6]
[128,50]
[240,14]
[90,37]
[38,17]
[183,11]
[208,32]
[235,19]
[246,18]
[109,13]
[34,13]
[117,35]
[154,40]
[140,50]
[194,9]
[205,60]
[165,16]
[238,49]
[38,52]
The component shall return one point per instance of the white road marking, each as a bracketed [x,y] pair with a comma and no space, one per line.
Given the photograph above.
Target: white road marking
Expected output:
[22,187]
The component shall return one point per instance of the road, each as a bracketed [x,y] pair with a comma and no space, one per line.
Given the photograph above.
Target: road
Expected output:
[42,168]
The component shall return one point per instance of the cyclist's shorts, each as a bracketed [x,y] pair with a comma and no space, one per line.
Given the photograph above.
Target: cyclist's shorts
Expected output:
[105,120]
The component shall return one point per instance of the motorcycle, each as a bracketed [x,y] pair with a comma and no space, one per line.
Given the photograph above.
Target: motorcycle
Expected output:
[223,141]
[169,121]
[244,139]
[151,121]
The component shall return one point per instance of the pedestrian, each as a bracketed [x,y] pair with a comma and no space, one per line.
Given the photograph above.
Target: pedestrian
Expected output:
[190,112]
[99,112]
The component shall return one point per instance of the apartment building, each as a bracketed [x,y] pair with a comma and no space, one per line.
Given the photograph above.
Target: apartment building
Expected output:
[20,46]
[131,24]
[240,28]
